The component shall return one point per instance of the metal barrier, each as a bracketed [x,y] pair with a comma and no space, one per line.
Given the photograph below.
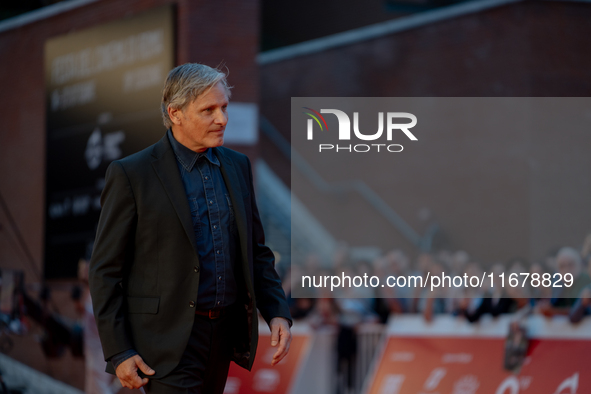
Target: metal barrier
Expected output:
[322,368]
[369,337]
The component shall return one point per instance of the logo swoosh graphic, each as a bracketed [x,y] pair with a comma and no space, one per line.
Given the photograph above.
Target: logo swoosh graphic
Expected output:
[317,113]
[315,118]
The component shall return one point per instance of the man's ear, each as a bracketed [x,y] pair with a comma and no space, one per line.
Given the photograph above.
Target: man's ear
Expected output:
[175,115]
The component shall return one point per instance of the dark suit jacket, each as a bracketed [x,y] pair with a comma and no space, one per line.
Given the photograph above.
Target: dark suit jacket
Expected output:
[144,271]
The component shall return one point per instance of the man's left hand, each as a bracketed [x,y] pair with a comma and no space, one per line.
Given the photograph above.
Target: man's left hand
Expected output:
[280,334]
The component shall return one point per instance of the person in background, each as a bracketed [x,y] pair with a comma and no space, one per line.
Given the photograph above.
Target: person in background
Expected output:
[568,261]
[96,380]
[582,306]
[495,302]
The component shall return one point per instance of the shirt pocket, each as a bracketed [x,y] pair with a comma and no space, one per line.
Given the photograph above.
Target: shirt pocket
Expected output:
[195,217]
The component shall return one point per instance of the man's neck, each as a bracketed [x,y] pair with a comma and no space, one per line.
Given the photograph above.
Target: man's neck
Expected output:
[180,137]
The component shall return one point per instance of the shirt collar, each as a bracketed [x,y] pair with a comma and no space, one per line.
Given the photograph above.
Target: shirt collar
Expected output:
[186,156]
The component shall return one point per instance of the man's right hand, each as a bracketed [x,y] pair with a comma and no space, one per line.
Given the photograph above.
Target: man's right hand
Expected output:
[127,372]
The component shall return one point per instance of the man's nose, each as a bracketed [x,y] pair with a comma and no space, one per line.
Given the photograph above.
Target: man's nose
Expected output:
[221,118]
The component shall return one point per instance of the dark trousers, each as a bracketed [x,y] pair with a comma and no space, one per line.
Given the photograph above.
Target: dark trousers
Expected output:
[203,368]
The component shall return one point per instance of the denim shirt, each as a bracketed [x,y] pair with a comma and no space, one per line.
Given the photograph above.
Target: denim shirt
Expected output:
[213,223]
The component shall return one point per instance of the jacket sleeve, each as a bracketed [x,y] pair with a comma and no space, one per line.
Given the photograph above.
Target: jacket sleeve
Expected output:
[270,297]
[110,260]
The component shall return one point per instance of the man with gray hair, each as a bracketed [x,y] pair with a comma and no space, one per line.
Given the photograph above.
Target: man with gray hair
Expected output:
[570,267]
[179,266]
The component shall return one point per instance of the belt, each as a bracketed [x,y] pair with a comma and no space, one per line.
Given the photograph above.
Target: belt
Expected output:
[211,313]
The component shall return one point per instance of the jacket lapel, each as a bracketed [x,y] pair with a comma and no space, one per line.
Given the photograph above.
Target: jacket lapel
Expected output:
[164,163]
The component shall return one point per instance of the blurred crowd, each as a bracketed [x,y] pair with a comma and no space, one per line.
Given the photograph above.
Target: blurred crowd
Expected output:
[346,308]
[352,305]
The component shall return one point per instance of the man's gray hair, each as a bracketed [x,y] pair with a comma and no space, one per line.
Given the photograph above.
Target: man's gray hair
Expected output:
[185,83]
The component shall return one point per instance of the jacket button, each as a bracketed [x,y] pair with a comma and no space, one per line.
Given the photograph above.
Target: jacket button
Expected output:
[192,304]
[196,269]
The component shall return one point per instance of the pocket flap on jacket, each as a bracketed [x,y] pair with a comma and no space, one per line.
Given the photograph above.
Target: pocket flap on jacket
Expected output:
[143,304]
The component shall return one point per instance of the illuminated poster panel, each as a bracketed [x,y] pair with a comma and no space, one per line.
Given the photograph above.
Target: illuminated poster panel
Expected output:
[103,89]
